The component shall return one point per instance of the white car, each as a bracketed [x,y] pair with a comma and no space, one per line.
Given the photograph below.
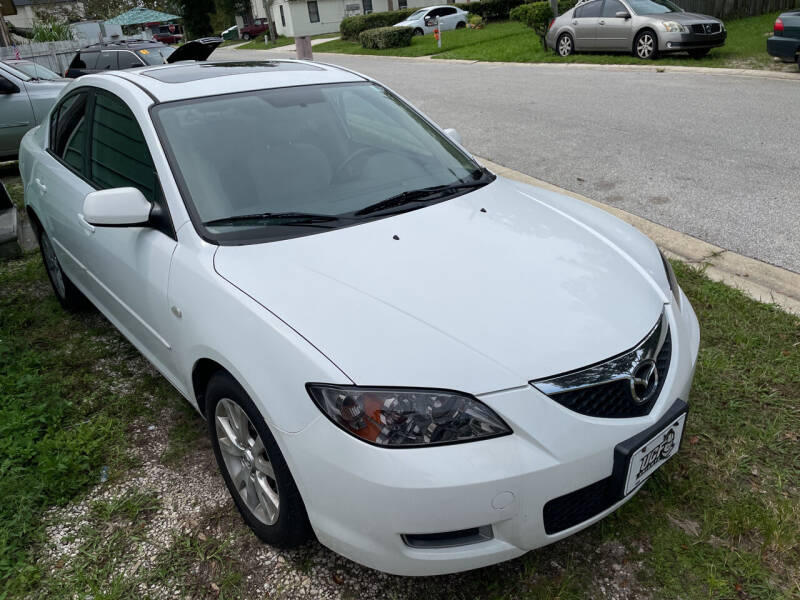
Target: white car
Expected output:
[424,20]
[430,367]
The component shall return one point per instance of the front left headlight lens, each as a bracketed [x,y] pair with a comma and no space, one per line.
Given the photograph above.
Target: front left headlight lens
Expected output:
[407,417]
[674,27]
[673,281]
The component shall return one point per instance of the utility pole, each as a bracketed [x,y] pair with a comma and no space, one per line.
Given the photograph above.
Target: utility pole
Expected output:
[270,26]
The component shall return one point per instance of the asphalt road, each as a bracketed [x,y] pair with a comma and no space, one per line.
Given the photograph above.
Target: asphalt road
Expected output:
[713,156]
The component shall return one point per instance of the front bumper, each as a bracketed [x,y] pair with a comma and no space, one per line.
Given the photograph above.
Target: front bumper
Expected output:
[362,500]
[680,42]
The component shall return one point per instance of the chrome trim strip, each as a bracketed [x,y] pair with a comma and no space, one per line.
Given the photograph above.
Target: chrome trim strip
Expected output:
[620,367]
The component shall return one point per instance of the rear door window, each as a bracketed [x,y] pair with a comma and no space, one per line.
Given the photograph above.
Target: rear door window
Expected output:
[107,60]
[128,60]
[85,60]
[590,10]
[68,128]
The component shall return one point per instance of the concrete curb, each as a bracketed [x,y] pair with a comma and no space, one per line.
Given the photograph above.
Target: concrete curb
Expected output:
[652,68]
[759,280]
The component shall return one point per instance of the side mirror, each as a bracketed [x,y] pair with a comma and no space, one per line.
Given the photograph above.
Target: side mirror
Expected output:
[622,14]
[8,87]
[117,207]
[453,135]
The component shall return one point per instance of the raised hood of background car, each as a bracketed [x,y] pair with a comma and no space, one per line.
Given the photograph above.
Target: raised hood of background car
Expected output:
[464,299]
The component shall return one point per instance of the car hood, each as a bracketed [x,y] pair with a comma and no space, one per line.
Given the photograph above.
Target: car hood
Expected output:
[450,296]
[198,50]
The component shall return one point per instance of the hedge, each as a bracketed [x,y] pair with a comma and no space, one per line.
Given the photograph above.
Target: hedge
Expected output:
[537,15]
[386,37]
[490,10]
[351,27]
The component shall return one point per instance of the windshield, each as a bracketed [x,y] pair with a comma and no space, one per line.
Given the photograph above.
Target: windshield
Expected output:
[34,71]
[155,55]
[327,151]
[653,7]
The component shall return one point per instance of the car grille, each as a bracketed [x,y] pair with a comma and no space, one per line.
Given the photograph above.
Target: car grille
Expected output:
[606,390]
[581,505]
[706,28]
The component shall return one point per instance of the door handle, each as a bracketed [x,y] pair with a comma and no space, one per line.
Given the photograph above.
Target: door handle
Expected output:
[42,187]
[87,227]
[602,22]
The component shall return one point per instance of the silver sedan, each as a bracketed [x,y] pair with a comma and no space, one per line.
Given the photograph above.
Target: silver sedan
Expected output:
[644,27]
[27,91]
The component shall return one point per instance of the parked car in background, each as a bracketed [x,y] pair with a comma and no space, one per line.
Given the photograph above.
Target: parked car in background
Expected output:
[231,33]
[785,41]
[646,28]
[27,91]
[168,38]
[424,20]
[130,54]
[296,249]
[256,28]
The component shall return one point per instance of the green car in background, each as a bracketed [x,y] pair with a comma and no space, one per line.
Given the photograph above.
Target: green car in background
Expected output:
[785,41]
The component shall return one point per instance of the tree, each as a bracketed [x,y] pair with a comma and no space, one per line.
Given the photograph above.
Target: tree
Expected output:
[197,17]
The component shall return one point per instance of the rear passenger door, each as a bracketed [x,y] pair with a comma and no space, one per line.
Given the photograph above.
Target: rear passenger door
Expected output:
[128,60]
[447,18]
[585,21]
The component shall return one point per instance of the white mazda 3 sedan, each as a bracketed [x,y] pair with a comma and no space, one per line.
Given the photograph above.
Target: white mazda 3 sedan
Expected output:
[429,367]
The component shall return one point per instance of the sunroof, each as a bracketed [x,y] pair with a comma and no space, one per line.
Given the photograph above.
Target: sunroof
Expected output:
[198,71]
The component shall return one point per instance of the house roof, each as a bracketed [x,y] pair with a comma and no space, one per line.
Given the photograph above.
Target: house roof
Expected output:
[36,2]
[7,7]
[139,16]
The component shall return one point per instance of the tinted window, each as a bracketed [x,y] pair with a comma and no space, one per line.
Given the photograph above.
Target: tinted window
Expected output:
[155,55]
[367,4]
[119,154]
[128,60]
[85,60]
[612,7]
[106,60]
[313,11]
[589,10]
[68,131]
[448,11]
[33,70]
[654,7]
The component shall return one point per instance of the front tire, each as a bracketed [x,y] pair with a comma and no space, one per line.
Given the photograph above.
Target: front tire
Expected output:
[246,36]
[69,297]
[565,46]
[645,46]
[253,466]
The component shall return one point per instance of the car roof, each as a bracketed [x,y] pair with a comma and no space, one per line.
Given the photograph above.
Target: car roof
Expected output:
[122,45]
[185,80]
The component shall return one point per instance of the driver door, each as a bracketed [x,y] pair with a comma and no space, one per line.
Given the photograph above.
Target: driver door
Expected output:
[128,267]
[613,32]
[430,20]
[585,21]
[16,114]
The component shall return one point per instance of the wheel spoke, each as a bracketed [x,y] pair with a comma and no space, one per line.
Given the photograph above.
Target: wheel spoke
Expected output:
[240,479]
[264,466]
[268,499]
[230,448]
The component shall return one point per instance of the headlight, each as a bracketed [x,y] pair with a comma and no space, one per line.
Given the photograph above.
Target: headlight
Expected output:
[673,27]
[407,417]
[673,281]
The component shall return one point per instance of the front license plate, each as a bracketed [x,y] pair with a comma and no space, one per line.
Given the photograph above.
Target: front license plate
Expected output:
[646,459]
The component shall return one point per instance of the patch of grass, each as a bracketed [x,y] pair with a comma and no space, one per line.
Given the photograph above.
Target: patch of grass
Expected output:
[9,172]
[129,505]
[69,385]
[513,42]
[186,430]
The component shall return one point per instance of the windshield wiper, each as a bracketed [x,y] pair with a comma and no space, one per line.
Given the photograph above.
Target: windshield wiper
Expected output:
[421,195]
[276,218]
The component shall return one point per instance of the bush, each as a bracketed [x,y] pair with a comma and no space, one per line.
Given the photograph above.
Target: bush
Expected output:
[490,10]
[351,27]
[381,38]
[537,15]
[51,31]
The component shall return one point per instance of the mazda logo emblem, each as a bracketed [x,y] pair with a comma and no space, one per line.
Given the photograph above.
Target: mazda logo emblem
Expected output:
[644,381]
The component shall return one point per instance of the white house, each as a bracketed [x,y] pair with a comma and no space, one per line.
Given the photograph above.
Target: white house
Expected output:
[26,11]
[311,17]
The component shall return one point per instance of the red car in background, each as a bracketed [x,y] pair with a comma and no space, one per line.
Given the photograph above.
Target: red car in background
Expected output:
[254,29]
[167,34]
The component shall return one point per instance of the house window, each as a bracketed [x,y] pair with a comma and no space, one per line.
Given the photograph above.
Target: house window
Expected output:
[283,18]
[367,4]
[402,4]
[313,11]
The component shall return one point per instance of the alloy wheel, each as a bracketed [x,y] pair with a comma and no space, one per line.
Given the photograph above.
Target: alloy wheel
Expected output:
[565,46]
[246,461]
[52,265]
[646,45]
